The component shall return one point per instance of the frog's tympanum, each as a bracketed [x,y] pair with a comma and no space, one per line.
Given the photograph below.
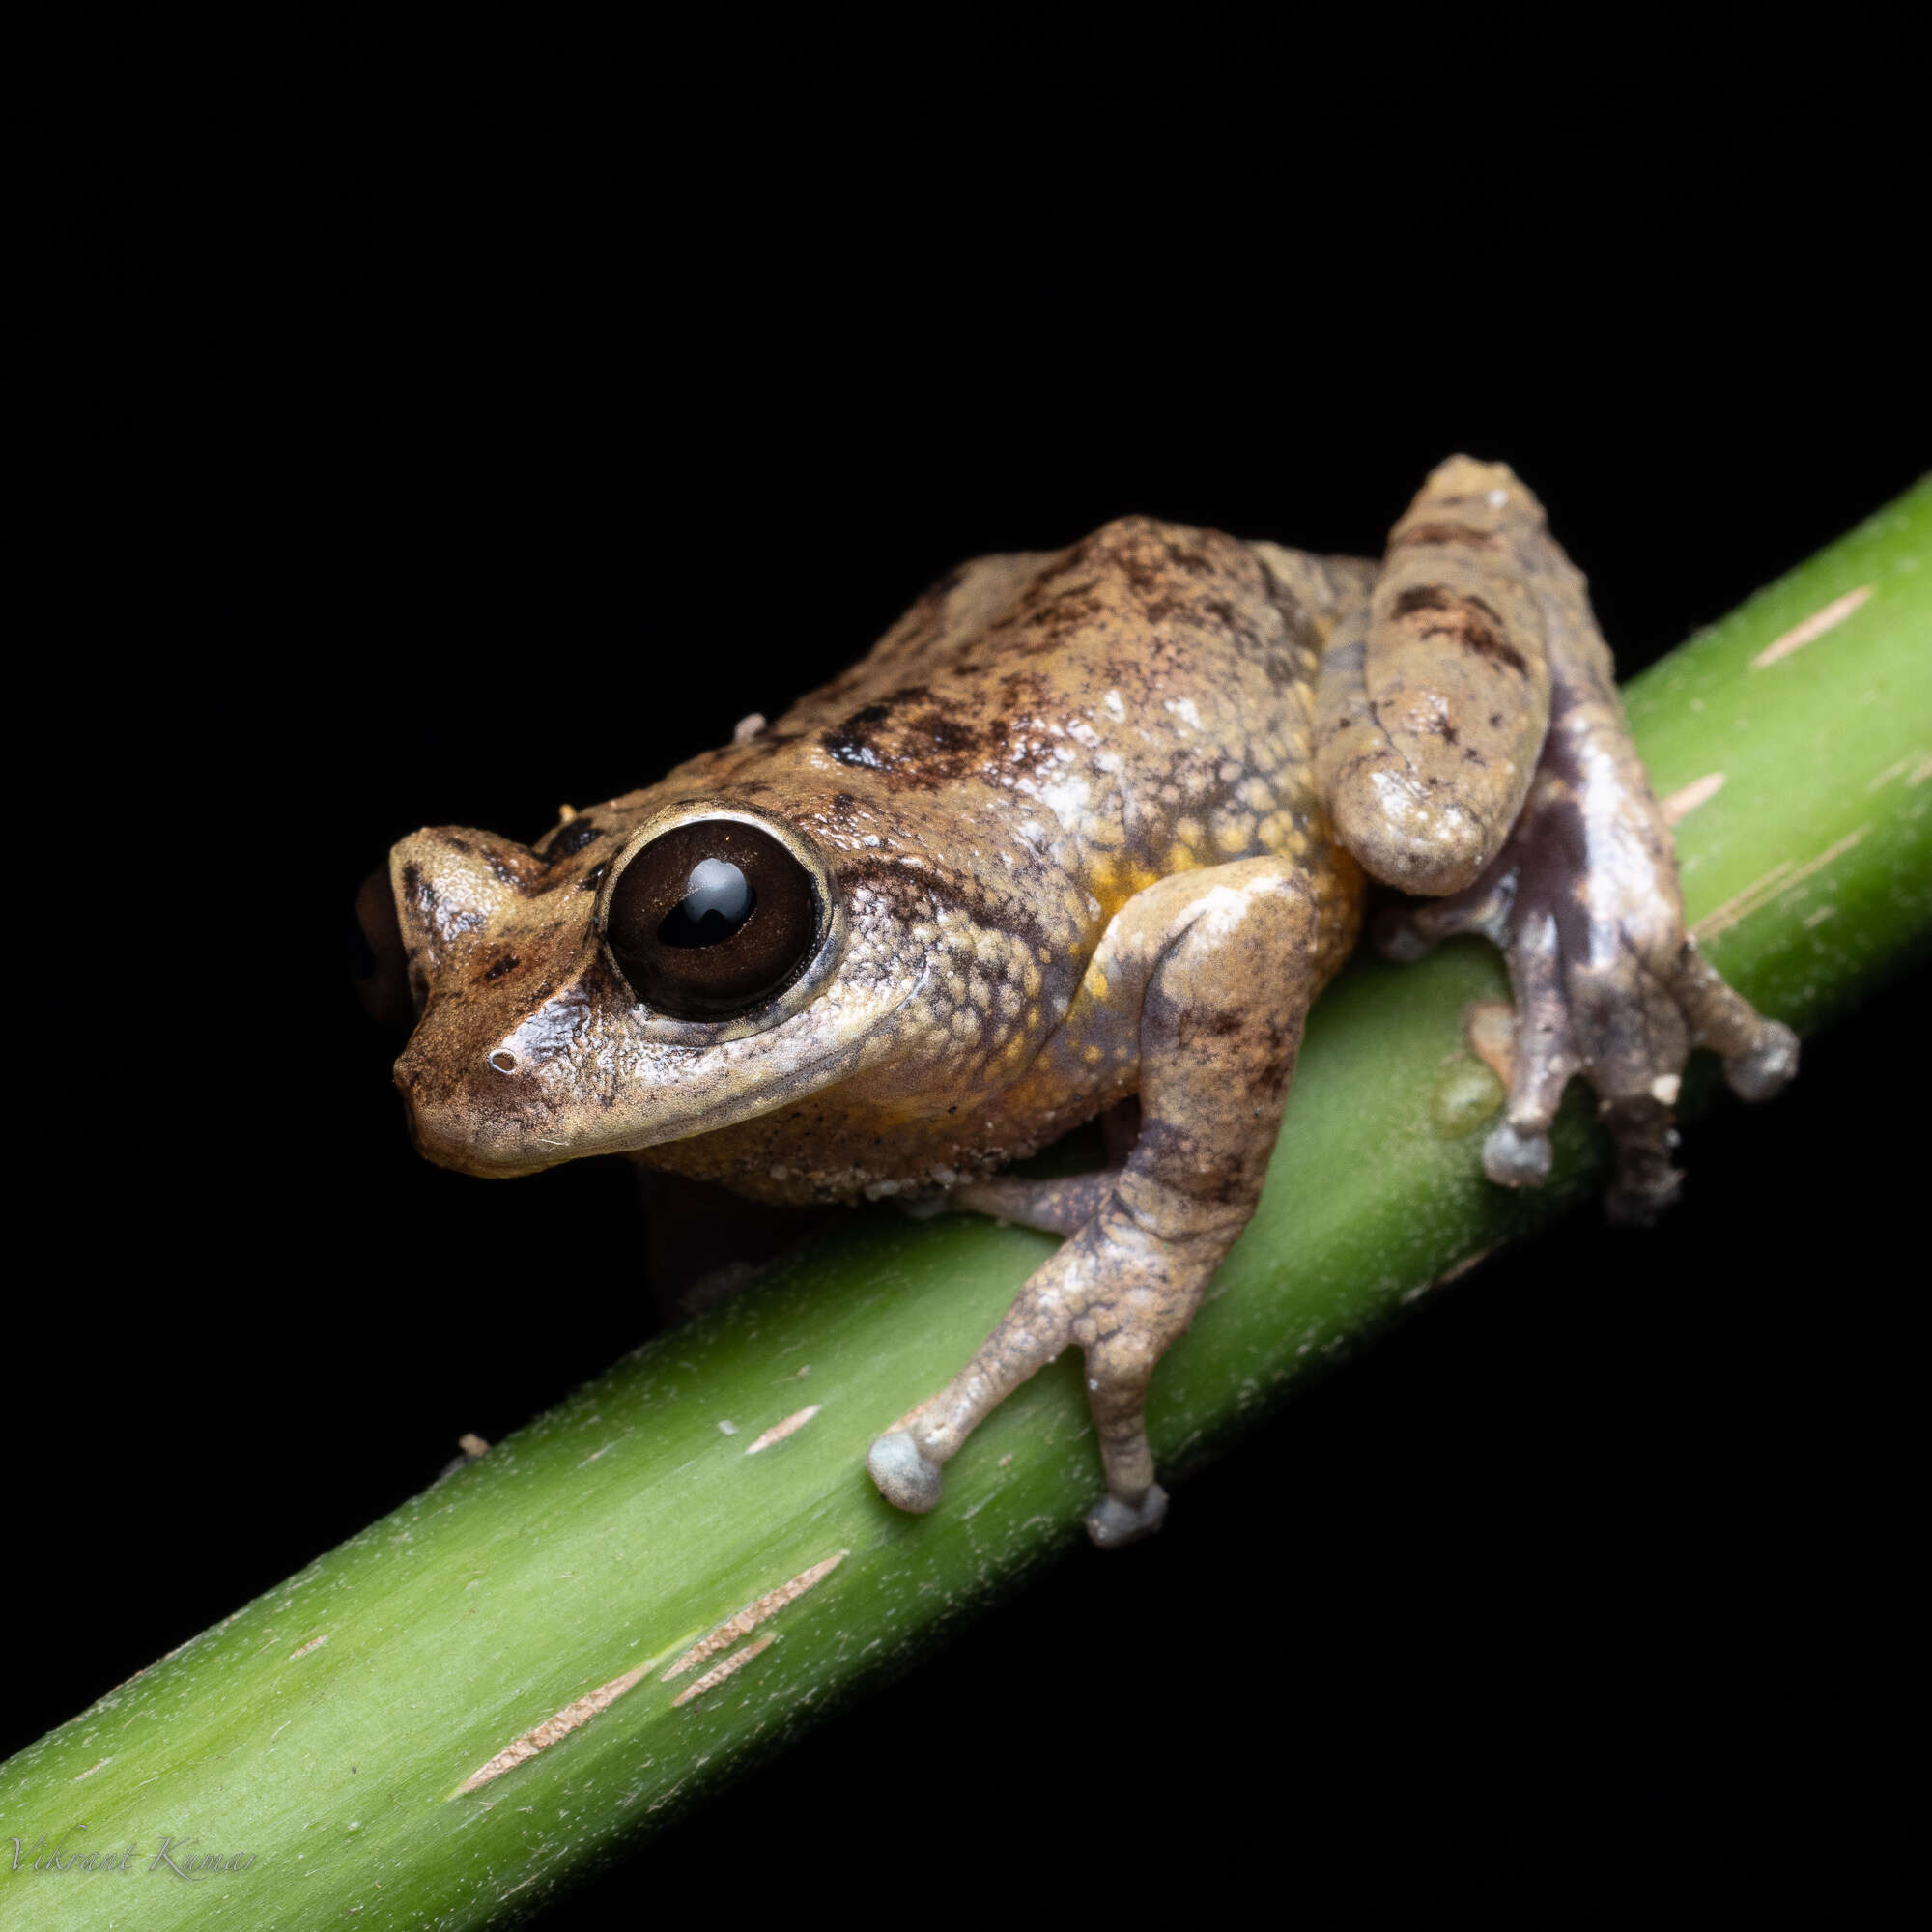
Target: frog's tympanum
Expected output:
[1086,826]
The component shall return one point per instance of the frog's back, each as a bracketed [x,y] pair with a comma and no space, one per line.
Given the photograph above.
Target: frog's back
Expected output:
[1144,697]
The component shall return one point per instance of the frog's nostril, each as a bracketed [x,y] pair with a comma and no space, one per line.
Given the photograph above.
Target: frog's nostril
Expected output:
[503,1062]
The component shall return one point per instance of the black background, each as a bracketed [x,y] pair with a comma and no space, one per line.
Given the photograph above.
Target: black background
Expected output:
[528,421]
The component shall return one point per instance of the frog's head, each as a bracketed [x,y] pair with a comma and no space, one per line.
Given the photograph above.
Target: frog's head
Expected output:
[641,975]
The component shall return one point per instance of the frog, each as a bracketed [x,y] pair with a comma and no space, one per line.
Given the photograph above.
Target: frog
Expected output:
[1083,836]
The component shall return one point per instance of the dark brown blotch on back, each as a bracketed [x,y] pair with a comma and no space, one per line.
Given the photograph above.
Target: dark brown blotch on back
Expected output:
[1459,534]
[919,746]
[851,743]
[1467,620]
[580,832]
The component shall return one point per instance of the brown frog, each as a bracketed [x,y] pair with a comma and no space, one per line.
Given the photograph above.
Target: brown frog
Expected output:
[1085,828]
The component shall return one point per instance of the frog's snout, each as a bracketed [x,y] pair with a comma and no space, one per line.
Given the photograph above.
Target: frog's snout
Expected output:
[455,1130]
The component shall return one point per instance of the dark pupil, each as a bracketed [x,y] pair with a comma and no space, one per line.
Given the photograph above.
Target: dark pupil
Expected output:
[717,899]
[712,918]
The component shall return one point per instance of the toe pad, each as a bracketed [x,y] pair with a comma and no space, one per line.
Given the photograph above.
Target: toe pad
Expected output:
[1513,1159]
[907,1477]
[1111,1523]
[1758,1076]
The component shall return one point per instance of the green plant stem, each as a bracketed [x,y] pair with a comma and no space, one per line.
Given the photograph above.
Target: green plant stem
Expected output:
[327,1727]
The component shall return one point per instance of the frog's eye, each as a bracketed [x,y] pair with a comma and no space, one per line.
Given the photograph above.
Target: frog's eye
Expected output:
[711,917]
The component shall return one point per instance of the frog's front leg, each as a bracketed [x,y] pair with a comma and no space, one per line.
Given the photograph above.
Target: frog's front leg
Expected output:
[1444,778]
[1220,962]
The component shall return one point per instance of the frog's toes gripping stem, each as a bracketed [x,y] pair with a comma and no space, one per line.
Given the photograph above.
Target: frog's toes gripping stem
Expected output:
[1473,745]
[1224,959]
[1584,901]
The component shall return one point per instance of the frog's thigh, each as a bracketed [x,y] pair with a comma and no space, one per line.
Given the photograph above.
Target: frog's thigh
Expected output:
[1434,697]
[1223,957]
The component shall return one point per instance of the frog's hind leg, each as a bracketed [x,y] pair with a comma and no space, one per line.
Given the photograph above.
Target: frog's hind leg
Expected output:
[1473,745]
[1224,961]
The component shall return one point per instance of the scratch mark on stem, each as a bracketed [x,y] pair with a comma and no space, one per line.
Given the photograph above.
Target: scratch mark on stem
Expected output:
[542,1736]
[731,1666]
[1812,628]
[1463,1267]
[1680,804]
[1490,1025]
[747,1620]
[89,1771]
[314,1643]
[1781,879]
[779,1430]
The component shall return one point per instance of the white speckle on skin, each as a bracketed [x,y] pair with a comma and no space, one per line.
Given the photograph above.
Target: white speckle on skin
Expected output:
[1496,498]
[728,1429]
[1664,1089]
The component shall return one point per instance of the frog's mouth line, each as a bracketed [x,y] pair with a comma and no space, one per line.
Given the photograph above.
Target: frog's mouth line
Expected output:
[806,1078]
[727,1112]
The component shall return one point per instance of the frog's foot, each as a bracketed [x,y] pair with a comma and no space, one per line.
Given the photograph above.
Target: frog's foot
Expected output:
[1583,900]
[1118,1291]
[1472,745]
[1220,1001]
